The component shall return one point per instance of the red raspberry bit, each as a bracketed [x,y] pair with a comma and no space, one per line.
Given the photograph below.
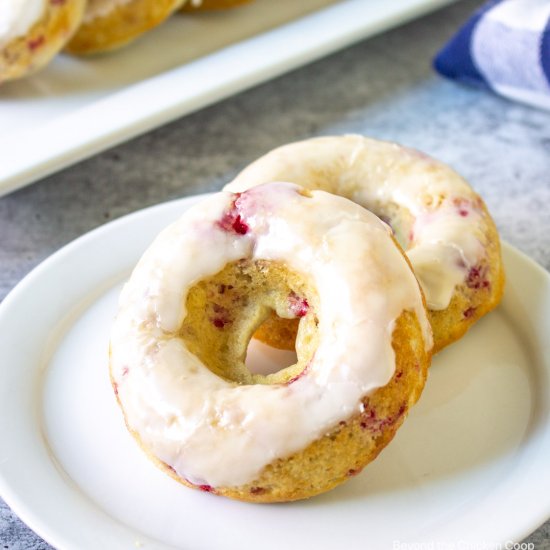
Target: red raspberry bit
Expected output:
[299,375]
[239,226]
[218,322]
[370,414]
[171,468]
[463,206]
[352,472]
[476,278]
[223,288]
[115,388]
[35,43]
[467,313]
[398,375]
[232,219]
[125,371]
[297,306]
[257,490]
[369,419]
[203,487]
[221,316]
[376,424]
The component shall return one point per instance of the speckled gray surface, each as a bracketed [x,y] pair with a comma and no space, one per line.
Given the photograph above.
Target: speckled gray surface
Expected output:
[383,87]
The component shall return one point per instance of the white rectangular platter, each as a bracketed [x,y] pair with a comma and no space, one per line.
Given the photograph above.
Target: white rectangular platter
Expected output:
[78,107]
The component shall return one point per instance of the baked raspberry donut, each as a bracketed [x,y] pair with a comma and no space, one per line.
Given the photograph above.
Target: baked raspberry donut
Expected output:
[33,31]
[110,24]
[441,223]
[185,318]
[207,5]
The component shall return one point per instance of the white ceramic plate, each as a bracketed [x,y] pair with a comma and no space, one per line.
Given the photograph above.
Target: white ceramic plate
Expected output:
[470,463]
[78,107]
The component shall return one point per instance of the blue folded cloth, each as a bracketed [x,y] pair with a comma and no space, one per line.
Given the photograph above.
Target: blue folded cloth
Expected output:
[505,46]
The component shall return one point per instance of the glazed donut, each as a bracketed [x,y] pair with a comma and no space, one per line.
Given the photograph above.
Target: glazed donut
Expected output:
[110,24]
[33,31]
[185,318]
[441,223]
[207,5]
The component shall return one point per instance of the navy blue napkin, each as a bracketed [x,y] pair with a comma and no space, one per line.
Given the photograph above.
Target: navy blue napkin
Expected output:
[505,46]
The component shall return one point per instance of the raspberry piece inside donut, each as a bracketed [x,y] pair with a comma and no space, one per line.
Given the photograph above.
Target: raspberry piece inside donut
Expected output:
[298,306]
[35,43]
[232,219]
[477,277]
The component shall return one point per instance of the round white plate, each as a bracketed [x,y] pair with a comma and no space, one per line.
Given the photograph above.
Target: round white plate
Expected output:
[470,464]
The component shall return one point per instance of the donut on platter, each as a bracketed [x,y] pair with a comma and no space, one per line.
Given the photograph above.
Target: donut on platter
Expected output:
[33,31]
[110,24]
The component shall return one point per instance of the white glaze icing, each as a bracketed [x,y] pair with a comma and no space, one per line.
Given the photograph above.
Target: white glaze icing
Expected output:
[97,9]
[17,17]
[426,197]
[218,433]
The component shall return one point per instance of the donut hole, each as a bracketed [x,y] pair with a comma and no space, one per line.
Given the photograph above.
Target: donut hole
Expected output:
[265,359]
[398,218]
[225,310]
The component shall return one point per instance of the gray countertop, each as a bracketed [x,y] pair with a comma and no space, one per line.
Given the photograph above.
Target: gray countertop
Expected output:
[383,87]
